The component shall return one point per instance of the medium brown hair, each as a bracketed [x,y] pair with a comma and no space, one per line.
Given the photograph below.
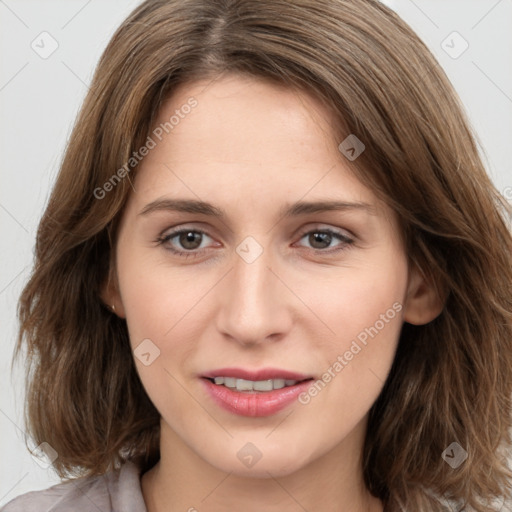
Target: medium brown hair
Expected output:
[451,380]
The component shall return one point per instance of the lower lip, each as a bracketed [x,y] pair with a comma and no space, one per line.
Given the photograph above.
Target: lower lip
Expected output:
[256,404]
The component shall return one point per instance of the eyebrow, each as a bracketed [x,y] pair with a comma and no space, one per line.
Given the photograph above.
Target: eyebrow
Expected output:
[288,210]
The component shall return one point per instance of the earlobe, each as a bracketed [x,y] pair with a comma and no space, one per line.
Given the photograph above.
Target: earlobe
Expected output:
[111,297]
[423,302]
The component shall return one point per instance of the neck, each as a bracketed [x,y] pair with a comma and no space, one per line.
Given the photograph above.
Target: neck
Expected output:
[332,482]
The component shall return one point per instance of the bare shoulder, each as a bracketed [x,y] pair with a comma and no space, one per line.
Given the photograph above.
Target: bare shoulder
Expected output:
[113,491]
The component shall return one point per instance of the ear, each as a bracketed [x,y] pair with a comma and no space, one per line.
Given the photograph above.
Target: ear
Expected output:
[423,301]
[110,295]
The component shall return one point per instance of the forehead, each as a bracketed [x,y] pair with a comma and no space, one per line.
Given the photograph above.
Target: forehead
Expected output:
[251,150]
[244,132]
[238,116]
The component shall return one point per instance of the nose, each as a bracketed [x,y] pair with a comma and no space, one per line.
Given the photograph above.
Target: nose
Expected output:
[255,305]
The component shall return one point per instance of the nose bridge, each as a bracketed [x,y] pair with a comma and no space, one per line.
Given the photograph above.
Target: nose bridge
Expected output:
[253,307]
[251,279]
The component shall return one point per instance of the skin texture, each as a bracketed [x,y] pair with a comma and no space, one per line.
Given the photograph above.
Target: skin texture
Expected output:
[249,147]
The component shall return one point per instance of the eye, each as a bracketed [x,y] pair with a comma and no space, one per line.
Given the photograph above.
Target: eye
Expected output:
[188,242]
[321,239]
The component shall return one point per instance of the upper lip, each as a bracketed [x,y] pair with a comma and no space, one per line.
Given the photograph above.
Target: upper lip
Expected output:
[255,375]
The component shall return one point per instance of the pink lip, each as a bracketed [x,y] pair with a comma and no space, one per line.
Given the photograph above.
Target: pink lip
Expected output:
[255,404]
[263,374]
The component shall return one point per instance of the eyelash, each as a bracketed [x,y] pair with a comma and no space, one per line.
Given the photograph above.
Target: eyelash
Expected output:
[161,240]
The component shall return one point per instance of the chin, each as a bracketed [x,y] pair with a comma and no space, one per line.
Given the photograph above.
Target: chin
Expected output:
[267,462]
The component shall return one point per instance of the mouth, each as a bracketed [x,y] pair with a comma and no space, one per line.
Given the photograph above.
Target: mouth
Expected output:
[254,393]
[254,386]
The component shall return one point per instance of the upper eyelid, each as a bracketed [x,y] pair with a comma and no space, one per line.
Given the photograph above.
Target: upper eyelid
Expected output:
[315,225]
[344,233]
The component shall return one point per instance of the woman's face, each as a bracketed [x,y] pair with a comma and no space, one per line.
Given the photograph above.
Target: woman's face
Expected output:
[264,282]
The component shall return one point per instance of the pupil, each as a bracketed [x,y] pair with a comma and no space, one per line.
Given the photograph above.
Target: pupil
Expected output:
[321,237]
[188,238]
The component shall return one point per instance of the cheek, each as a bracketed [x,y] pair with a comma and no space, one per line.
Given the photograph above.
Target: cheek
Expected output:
[155,296]
[159,307]
[350,300]
[361,319]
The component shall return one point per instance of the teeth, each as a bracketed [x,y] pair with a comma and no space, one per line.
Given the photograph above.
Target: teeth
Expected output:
[244,385]
[262,385]
[251,385]
[281,383]
[230,382]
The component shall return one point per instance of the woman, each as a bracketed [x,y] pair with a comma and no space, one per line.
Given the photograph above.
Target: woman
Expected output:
[272,274]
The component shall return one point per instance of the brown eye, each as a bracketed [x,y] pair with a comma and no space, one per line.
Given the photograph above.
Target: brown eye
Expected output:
[190,239]
[320,240]
[184,242]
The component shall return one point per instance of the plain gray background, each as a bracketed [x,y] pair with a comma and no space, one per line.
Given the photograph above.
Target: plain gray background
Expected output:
[40,96]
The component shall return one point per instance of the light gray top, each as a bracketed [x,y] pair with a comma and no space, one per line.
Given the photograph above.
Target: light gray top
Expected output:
[115,491]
